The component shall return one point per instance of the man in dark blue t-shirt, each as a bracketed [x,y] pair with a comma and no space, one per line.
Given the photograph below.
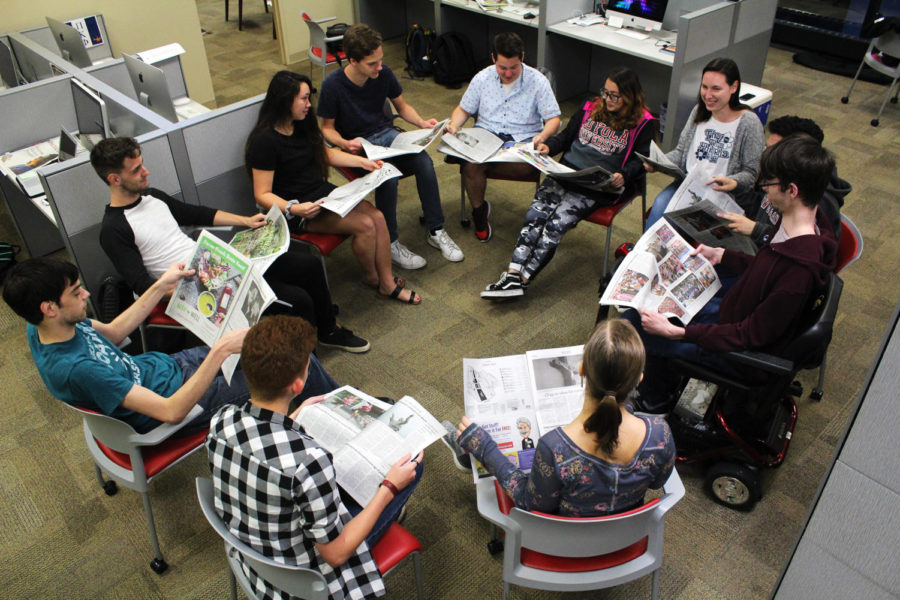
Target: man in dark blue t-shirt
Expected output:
[352,106]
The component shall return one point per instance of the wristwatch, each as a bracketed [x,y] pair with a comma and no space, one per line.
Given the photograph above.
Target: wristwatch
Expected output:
[287,209]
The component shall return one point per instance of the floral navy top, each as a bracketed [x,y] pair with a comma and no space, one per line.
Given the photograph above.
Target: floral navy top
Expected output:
[567,481]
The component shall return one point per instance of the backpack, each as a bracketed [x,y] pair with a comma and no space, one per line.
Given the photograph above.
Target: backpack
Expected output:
[337,47]
[418,51]
[453,59]
[7,258]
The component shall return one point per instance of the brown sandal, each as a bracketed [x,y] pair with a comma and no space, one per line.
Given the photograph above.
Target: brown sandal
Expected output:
[414,298]
[397,280]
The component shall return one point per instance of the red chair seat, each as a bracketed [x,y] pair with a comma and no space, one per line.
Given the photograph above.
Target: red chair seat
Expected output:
[324,242]
[158,316]
[567,564]
[157,458]
[605,214]
[329,57]
[395,545]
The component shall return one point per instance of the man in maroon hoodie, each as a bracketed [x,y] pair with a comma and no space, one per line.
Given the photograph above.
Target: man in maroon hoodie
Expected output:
[762,310]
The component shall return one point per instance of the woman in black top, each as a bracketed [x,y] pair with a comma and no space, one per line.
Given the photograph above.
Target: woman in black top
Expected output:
[288,161]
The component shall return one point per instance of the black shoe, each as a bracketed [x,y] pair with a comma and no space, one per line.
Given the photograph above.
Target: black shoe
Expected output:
[509,285]
[480,216]
[345,340]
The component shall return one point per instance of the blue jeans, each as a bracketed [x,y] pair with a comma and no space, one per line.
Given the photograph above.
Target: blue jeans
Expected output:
[660,203]
[219,393]
[659,382]
[390,513]
[421,166]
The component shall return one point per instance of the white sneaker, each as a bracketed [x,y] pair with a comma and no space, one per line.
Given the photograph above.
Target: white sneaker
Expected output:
[448,247]
[405,258]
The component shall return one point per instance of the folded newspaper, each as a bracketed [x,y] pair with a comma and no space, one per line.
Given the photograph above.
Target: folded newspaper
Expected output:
[695,189]
[660,274]
[593,178]
[367,436]
[659,161]
[228,290]
[408,142]
[519,398]
[478,145]
[702,223]
[343,199]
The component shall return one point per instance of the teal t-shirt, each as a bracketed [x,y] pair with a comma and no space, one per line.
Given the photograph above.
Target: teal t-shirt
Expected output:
[90,372]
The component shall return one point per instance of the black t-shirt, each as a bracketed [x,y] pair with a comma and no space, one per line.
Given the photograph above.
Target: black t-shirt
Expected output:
[291,157]
[358,111]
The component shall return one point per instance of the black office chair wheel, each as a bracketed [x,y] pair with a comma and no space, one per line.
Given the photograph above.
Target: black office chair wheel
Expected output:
[465,222]
[845,100]
[874,122]
[894,100]
[159,565]
[735,486]
[421,219]
[110,487]
[816,394]
[495,547]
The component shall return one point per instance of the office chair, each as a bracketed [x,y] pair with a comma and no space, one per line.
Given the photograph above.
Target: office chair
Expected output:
[241,15]
[568,554]
[604,216]
[396,544]
[889,45]
[135,459]
[849,251]
[318,45]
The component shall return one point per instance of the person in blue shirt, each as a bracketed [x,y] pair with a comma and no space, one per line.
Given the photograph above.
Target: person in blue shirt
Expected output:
[80,363]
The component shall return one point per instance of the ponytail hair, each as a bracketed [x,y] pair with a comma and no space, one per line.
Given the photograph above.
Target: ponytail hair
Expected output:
[613,362]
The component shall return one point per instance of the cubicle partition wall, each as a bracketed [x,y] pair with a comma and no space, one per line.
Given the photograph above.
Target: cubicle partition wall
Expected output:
[214,145]
[751,36]
[33,65]
[78,198]
[44,37]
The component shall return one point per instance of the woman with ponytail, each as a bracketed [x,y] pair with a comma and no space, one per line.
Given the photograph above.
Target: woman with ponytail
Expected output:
[607,458]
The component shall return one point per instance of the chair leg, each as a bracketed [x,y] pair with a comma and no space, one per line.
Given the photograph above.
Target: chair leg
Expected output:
[654,589]
[232,584]
[846,98]
[158,564]
[505,590]
[226,11]
[606,252]
[240,15]
[818,391]
[886,98]
[420,587]
[463,218]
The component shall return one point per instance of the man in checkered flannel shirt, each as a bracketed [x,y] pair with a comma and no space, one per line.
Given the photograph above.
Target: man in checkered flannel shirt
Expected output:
[275,487]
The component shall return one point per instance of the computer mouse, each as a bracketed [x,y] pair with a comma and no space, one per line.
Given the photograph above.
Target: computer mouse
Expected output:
[529,15]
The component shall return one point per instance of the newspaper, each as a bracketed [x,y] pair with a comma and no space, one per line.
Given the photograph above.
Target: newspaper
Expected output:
[227,291]
[517,399]
[659,161]
[593,178]
[695,400]
[408,142]
[264,244]
[694,189]
[475,144]
[659,274]
[367,436]
[506,153]
[343,199]
[21,165]
[702,223]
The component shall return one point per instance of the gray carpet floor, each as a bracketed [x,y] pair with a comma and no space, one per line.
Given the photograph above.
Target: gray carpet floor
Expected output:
[61,537]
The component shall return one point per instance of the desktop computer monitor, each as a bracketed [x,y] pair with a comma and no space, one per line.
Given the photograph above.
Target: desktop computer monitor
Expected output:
[8,67]
[71,48]
[68,145]
[639,14]
[150,86]
[90,111]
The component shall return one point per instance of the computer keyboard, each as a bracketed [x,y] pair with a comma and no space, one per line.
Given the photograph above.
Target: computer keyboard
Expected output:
[632,34]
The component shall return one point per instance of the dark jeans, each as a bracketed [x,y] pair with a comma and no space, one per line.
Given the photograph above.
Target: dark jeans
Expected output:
[418,164]
[390,513]
[298,279]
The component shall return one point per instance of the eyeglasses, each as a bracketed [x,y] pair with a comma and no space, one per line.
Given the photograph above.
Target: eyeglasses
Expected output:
[612,96]
[770,183]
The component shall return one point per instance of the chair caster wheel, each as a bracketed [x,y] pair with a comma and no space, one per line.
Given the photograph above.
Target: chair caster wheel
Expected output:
[110,488]
[816,395]
[845,100]
[495,547]
[874,122]
[894,100]
[465,222]
[421,219]
[159,565]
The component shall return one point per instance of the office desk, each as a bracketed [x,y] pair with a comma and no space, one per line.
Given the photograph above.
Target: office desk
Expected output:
[481,27]
[600,48]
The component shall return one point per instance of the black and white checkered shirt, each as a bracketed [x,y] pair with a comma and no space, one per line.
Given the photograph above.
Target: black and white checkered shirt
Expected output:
[275,489]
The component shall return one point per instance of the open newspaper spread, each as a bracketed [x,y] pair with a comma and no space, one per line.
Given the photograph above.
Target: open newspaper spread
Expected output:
[517,399]
[367,436]
[659,274]
[593,178]
[228,290]
[694,189]
[474,144]
[343,199]
[659,161]
[408,142]
[702,223]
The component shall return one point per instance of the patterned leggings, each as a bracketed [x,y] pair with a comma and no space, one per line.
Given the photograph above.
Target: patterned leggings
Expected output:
[553,212]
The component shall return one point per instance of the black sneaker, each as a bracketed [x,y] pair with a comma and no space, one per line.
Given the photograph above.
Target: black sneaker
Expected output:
[460,457]
[508,286]
[345,340]
[480,216]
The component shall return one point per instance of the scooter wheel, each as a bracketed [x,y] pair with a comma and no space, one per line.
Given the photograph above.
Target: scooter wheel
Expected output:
[735,486]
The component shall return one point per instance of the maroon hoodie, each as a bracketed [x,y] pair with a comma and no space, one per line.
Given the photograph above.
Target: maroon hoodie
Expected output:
[761,312]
